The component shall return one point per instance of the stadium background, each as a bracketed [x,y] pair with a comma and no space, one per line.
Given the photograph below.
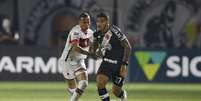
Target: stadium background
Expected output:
[165,35]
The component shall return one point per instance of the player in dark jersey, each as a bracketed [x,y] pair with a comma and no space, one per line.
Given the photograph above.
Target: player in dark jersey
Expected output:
[113,47]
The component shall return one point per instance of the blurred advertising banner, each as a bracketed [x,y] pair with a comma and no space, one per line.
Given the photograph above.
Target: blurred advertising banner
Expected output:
[34,63]
[165,65]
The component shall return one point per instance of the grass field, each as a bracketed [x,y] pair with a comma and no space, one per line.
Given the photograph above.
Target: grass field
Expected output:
[55,91]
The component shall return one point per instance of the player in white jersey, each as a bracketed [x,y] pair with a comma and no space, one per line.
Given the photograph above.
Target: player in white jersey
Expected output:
[75,52]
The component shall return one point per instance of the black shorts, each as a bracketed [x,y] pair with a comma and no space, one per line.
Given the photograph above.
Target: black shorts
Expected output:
[111,70]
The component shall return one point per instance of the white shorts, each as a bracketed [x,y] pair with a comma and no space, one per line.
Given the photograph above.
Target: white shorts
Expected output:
[70,67]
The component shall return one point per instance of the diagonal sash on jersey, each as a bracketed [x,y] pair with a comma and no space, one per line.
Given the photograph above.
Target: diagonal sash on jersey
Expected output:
[105,43]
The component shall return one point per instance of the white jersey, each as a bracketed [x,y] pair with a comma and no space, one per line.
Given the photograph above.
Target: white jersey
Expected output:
[84,39]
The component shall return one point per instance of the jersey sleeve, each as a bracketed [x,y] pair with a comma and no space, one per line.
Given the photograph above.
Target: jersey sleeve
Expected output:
[115,30]
[74,37]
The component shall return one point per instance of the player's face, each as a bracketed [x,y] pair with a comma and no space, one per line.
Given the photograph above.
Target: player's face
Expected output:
[101,24]
[84,23]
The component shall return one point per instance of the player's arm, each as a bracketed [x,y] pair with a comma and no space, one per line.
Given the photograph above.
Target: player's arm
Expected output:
[74,40]
[127,50]
[124,42]
[93,46]
[79,49]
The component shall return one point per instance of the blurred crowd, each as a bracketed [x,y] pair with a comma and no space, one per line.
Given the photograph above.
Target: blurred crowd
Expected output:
[47,22]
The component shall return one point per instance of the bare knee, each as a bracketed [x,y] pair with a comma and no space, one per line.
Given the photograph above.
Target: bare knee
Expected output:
[100,84]
[101,81]
[72,83]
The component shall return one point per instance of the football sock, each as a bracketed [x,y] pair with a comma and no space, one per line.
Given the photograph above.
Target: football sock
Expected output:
[78,92]
[104,94]
[71,91]
[76,95]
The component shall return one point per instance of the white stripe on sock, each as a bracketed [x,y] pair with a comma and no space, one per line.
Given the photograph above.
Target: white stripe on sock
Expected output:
[104,96]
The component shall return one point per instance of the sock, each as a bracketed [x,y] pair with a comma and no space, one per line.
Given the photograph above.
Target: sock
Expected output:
[76,95]
[78,92]
[104,94]
[71,91]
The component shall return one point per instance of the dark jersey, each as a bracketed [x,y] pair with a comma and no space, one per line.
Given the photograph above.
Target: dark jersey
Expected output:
[113,38]
[114,54]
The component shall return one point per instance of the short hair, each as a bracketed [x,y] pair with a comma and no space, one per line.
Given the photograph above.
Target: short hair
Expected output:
[84,14]
[103,15]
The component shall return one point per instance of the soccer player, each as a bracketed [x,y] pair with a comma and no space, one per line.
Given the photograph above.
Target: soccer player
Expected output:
[114,48]
[75,52]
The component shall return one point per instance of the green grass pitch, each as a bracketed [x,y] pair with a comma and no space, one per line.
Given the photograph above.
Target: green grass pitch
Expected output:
[55,91]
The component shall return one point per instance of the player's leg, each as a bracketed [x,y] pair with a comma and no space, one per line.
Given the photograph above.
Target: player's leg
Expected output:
[102,78]
[119,92]
[68,75]
[101,81]
[71,86]
[82,78]
[118,83]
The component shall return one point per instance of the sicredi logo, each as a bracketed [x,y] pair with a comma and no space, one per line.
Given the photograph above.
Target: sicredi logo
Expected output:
[150,62]
[183,66]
